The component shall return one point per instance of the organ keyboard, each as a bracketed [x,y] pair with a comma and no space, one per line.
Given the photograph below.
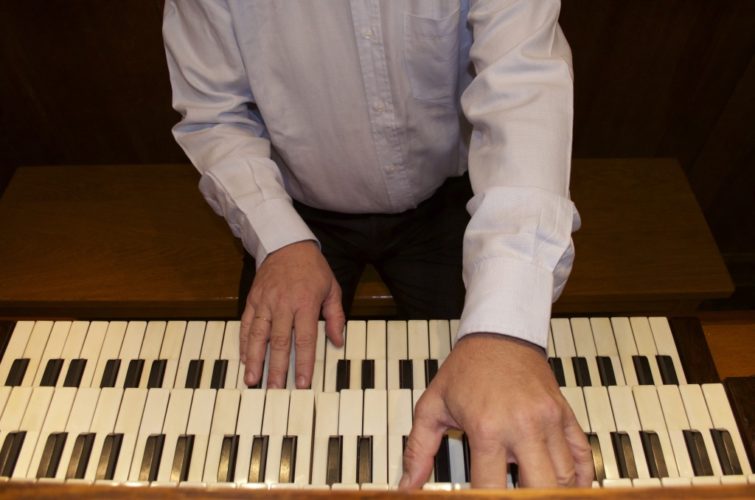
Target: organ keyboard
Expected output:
[164,404]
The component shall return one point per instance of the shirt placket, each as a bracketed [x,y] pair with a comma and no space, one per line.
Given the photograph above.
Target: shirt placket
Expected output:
[389,148]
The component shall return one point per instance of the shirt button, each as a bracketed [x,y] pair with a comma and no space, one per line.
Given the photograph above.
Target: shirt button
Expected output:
[367,34]
[378,107]
[391,168]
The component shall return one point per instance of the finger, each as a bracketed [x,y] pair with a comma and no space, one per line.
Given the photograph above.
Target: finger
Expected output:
[244,329]
[535,464]
[561,459]
[256,345]
[332,311]
[424,440]
[305,328]
[580,451]
[489,460]
[280,350]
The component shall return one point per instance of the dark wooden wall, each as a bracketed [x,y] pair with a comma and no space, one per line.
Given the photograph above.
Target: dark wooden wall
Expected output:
[85,81]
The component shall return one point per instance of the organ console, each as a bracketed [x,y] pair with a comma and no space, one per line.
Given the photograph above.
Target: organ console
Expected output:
[163,404]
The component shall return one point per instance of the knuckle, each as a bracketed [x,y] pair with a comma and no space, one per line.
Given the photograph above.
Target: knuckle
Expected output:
[258,333]
[304,341]
[567,477]
[280,342]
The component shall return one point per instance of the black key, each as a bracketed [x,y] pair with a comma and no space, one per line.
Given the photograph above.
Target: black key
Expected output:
[134,373]
[431,368]
[727,455]
[287,470]
[558,371]
[666,367]
[194,374]
[157,373]
[405,374]
[51,373]
[597,457]
[697,453]
[48,465]
[333,465]
[651,445]
[368,374]
[17,372]
[467,459]
[111,373]
[642,368]
[9,452]
[109,457]
[182,458]
[219,370]
[364,459]
[605,368]
[581,372]
[622,449]
[82,450]
[259,459]
[443,462]
[227,463]
[75,372]
[343,374]
[153,451]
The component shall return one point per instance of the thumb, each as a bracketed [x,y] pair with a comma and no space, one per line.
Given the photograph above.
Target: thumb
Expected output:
[332,311]
[423,442]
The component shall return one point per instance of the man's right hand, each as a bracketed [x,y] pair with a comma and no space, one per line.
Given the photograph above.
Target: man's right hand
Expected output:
[291,287]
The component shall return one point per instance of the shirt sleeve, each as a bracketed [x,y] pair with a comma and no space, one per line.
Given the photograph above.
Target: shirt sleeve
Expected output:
[220,131]
[518,250]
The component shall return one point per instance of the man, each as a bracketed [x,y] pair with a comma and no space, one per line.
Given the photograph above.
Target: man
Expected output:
[362,103]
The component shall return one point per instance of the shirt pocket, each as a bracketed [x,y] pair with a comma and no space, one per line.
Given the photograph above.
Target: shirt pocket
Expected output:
[432,55]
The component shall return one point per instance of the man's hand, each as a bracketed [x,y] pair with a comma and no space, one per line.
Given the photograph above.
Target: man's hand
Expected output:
[501,392]
[291,286]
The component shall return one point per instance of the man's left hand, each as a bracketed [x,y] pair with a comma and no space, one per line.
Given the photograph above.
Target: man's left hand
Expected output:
[501,392]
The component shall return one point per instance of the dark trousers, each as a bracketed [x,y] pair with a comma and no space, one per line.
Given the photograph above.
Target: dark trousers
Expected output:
[418,253]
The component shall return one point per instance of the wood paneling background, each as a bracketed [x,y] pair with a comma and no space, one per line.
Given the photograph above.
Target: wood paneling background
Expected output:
[85,81]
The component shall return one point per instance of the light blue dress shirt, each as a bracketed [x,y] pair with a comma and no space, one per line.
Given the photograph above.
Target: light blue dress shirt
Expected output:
[367,106]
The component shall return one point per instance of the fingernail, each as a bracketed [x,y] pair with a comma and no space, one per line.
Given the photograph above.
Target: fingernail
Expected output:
[250,375]
[301,382]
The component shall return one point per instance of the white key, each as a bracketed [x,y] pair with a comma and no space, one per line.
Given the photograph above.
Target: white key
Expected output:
[643,338]
[602,424]
[585,347]
[723,418]
[152,421]
[676,482]
[627,349]
[550,349]
[191,349]
[456,456]
[53,349]
[72,347]
[618,483]
[625,416]
[300,419]
[564,346]
[664,343]
[605,345]
[400,407]
[356,350]
[249,424]
[646,483]
[440,339]
[376,339]
[326,425]
[397,349]
[275,426]
[676,422]
[223,423]
[651,418]
[699,419]
[13,411]
[736,480]
[230,353]
[151,347]
[211,347]
[103,423]
[132,345]
[576,400]
[111,349]
[34,417]
[129,419]
[200,420]
[350,427]
[4,395]
[318,375]
[54,421]
[91,350]
[454,327]
[16,347]
[79,422]
[332,355]
[418,350]
[376,425]
[34,350]
[171,351]
[176,419]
